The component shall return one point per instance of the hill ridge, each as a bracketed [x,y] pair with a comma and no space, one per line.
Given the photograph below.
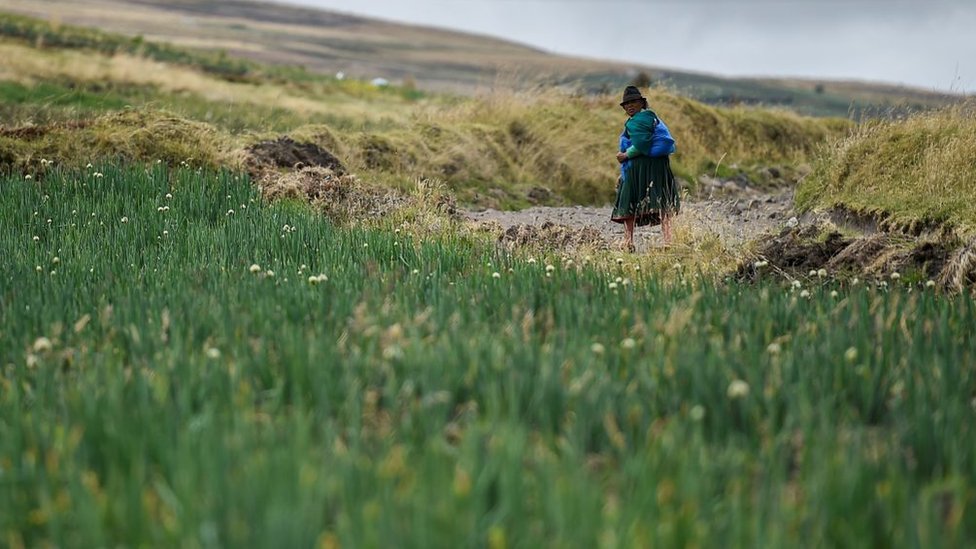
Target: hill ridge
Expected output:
[428,57]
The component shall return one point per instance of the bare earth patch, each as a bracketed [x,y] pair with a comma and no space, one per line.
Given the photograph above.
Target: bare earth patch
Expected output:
[863,250]
[286,153]
[735,220]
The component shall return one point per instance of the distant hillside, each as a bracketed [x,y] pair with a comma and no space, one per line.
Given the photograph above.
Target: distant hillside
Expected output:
[436,59]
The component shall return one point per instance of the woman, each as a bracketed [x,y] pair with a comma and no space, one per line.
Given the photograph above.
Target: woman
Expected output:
[647,193]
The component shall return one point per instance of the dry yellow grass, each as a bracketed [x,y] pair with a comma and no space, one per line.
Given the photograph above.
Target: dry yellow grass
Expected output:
[567,143]
[136,136]
[919,172]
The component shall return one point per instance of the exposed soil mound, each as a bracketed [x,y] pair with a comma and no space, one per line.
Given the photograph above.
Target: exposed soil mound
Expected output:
[550,236]
[285,168]
[927,259]
[804,249]
[343,198]
[286,153]
[860,254]
[797,251]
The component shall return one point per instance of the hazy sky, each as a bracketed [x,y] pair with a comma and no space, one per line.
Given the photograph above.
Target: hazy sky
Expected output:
[926,43]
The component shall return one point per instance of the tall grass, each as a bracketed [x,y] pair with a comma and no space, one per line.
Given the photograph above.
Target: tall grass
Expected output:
[920,171]
[161,387]
[490,150]
[498,147]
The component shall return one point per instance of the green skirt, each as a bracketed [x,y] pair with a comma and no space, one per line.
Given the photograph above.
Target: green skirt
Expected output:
[648,189]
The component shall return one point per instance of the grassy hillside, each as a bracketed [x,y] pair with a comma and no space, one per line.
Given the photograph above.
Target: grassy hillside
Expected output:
[915,173]
[433,59]
[70,84]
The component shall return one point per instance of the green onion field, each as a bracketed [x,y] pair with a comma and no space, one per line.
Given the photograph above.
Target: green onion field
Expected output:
[184,364]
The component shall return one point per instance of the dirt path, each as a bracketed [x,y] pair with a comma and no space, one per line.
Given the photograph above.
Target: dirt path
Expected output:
[735,219]
[813,243]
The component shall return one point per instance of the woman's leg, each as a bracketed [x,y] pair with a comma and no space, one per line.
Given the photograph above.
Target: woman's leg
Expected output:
[629,233]
[666,218]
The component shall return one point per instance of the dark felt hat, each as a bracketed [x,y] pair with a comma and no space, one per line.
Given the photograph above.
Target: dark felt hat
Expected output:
[631,93]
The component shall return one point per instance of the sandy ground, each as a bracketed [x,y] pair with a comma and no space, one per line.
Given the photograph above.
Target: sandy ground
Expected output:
[735,219]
